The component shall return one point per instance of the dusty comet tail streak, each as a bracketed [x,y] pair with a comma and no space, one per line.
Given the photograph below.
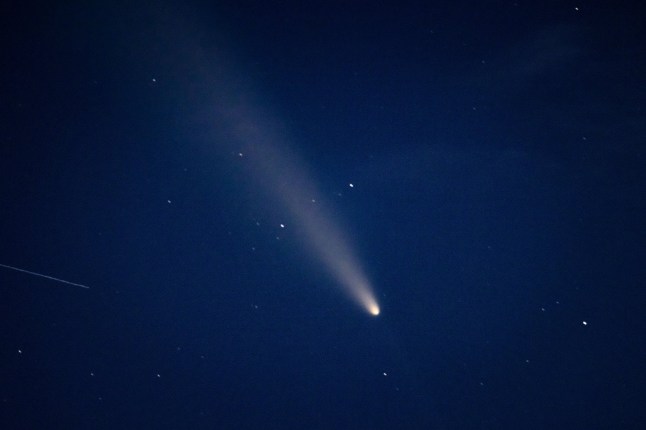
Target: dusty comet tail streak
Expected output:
[240,124]
[286,180]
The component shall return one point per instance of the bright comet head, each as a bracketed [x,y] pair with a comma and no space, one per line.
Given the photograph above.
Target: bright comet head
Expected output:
[369,302]
[374,309]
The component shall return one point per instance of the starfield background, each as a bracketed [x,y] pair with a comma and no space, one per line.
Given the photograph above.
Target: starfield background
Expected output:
[485,160]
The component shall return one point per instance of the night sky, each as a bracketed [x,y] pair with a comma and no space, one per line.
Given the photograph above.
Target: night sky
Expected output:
[217,172]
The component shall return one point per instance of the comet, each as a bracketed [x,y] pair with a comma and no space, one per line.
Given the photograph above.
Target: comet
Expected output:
[286,181]
[242,126]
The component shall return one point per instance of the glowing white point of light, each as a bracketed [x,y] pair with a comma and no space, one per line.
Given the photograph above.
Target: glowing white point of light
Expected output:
[351,185]
[158,375]
[374,309]
[585,323]
[282,226]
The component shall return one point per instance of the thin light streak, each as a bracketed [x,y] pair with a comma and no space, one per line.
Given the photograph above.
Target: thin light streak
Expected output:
[44,276]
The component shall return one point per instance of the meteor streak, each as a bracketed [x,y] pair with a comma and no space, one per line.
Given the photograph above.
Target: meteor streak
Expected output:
[45,276]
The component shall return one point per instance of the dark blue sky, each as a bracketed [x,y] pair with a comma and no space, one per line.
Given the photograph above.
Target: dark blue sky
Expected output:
[496,156]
